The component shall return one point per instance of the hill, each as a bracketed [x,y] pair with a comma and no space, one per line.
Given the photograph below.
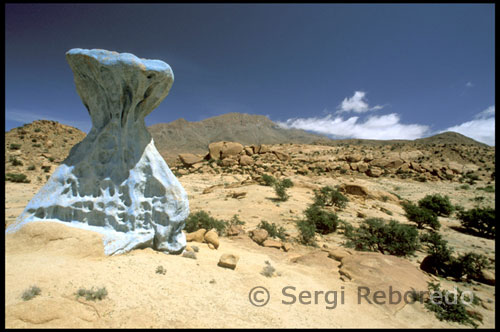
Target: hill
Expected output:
[183,136]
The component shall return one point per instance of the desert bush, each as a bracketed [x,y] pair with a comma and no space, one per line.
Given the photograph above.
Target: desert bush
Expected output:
[273,230]
[438,204]
[31,293]
[449,306]
[464,187]
[445,264]
[328,196]
[201,219]
[469,178]
[268,270]
[160,269]
[31,168]
[324,221]
[36,145]
[488,189]
[480,221]
[92,294]
[421,216]
[307,231]
[470,265]
[280,188]
[37,130]
[14,146]
[375,234]
[269,180]
[16,177]
[46,168]
[235,221]
[15,162]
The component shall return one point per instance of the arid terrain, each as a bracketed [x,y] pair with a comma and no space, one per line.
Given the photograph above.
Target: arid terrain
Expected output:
[227,180]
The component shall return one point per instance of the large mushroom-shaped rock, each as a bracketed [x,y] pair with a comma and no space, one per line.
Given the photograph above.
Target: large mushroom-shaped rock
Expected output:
[114,181]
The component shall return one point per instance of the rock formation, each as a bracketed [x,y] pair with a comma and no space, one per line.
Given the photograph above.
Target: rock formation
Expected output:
[114,181]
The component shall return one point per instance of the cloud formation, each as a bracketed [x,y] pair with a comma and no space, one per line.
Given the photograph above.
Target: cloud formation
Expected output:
[357,104]
[381,127]
[23,116]
[481,128]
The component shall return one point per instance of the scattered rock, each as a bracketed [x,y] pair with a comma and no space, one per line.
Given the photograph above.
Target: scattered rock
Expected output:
[338,253]
[488,277]
[211,237]
[234,230]
[189,254]
[374,172]
[196,236]
[272,244]
[259,235]
[228,261]
[287,246]
[246,161]
[189,159]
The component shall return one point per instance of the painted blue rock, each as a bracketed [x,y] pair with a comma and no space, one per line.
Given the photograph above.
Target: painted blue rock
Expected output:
[115,182]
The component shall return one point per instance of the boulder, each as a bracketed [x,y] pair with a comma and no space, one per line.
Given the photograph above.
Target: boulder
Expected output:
[196,236]
[231,149]
[228,162]
[374,172]
[272,244]
[215,150]
[259,235]
[234,230]
[281,156]
[211,237]
[488,277]
[249,150]
[246,161]
[189,159]
[117,164]
[354,189]
[353,158]
[264,149]
[228,261]
[286,246]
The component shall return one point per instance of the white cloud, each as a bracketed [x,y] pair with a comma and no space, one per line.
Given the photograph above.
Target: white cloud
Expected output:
[375,127]
[357,104]
[481,128]
[469,84]
[23,116]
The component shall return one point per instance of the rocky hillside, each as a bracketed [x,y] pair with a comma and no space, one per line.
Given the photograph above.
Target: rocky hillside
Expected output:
[183,136]
[33,151]
[420,162]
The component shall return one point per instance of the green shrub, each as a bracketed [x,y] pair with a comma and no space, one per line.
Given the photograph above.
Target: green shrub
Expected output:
[160,269]
[273,230]
[15,162]
[235,221]
[375,234]
[307,232]
[444,264]
[202,219]
[469,264]
[37,130]
[31,293]
[287,183]
[464,187]
[14,146]
[440,255]
[91,294]
[449,306]
[280,188]
[36,145]
[268,180]
[324,221]
[480,221]
[438,204]
[46,168]
[16,177]
[488,189]
[421,216]
[31,168]
[328,196]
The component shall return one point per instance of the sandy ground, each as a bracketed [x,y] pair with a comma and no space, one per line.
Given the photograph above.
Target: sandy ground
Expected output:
[198,293]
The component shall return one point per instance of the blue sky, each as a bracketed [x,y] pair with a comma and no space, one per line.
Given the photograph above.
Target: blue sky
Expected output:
[381,71]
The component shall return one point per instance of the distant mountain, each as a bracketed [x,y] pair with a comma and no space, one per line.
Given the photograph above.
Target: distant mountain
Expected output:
[449,137]
[183,136]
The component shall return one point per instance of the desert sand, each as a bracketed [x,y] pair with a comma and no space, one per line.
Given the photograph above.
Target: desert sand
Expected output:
[196,292]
